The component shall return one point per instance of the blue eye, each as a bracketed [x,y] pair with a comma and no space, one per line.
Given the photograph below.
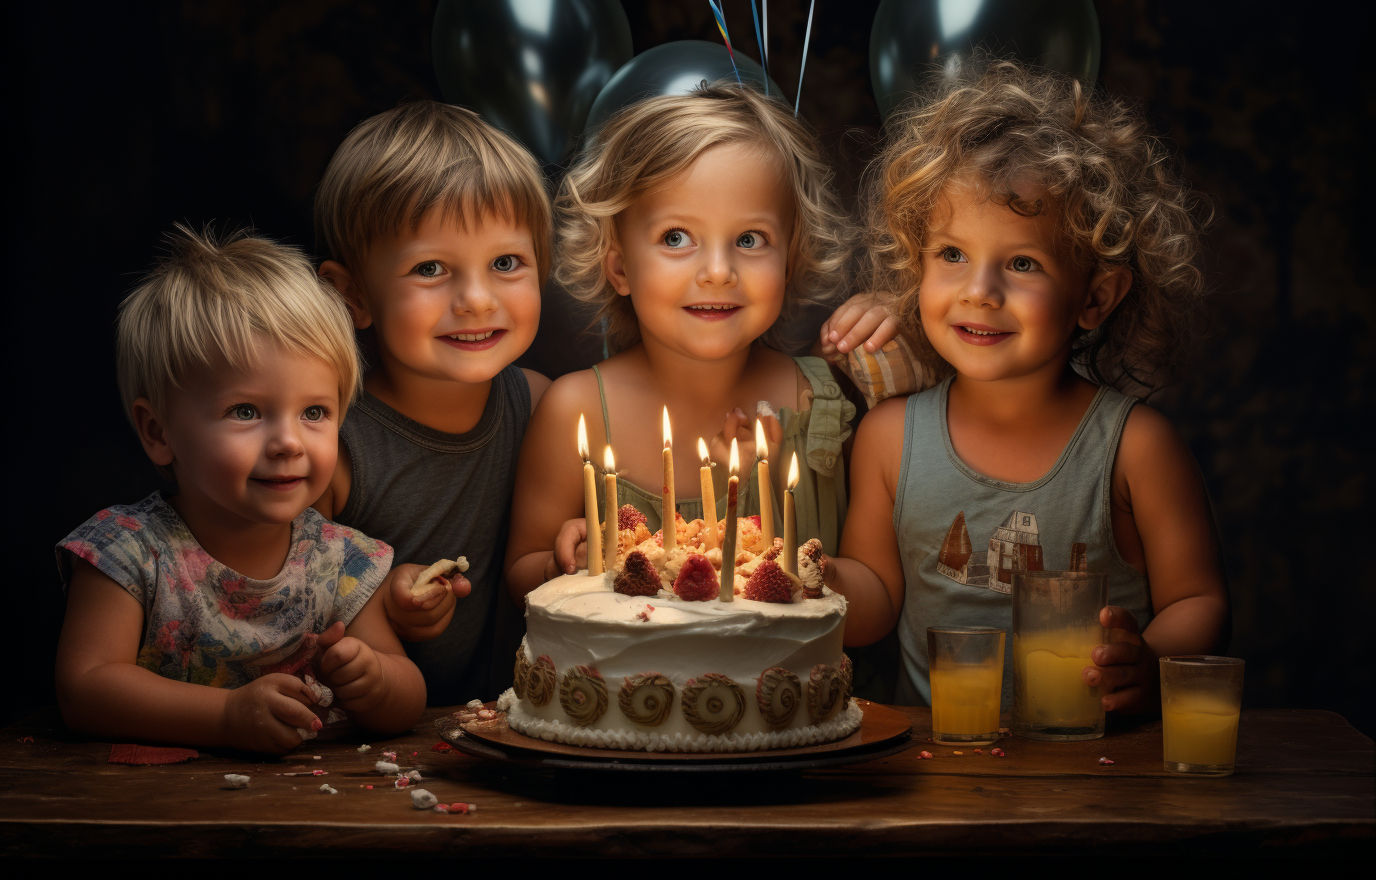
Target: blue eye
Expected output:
[952,255]
[313,413]
[1023,264]
[507,263]
[676,238]
[429,269]
[750,240]
[244,412]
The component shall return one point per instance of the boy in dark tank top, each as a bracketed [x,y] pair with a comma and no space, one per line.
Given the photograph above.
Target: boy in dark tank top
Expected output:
[435,228]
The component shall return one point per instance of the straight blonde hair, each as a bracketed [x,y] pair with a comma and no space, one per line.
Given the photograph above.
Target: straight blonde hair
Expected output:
[218,299]
[648,144]
[396,166]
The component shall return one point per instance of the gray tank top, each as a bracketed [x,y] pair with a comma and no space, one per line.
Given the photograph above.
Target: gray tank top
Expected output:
[432,496]
[962,535]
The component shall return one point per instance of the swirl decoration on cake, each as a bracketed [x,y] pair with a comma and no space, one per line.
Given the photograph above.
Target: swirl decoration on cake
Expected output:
[713,703]
[583,694]
[518,681]
[826,690]
[848,676]
[540,681]
[646,698]
[778,695]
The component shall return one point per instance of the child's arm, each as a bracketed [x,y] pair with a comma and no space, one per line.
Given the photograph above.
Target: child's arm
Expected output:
[863,319]
[419,620]
[370,674]
[1161,515]
[547,504]
[873,587]
[102,691]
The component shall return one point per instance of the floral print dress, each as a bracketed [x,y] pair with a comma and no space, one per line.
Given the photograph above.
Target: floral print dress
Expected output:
[205,623]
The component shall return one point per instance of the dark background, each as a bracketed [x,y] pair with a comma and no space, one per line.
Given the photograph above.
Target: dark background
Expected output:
[130,119]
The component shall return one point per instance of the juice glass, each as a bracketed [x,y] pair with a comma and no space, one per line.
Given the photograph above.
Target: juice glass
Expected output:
[1201,699]
[1055,629]
[966,664]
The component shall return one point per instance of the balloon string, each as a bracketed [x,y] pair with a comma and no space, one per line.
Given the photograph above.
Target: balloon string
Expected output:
[764,56]
[807,38]
[721,26]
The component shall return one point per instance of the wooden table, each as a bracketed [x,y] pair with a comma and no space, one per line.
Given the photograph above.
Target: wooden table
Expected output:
[1306,780]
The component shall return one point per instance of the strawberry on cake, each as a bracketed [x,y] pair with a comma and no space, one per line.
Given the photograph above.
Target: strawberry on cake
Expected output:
[649,657]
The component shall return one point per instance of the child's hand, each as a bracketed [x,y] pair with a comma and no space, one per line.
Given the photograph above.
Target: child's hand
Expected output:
[419,620]
[861,319]
[352,670]
[263,715]
[1125,669]
[741,428]
[570,549]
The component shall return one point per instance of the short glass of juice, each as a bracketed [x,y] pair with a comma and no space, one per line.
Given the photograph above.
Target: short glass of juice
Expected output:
[1201,700]
[966,664]
[1055,629]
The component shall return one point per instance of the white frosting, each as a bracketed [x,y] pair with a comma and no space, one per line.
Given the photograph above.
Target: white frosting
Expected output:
[578,621]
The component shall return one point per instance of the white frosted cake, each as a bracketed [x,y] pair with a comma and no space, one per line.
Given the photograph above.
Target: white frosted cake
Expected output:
[660,672]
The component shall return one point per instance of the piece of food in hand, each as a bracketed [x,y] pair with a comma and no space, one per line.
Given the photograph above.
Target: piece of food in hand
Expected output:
[438,577]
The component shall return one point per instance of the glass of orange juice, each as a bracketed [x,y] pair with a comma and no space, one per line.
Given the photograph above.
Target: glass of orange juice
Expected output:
[966,664]
[1055,629]
[1201,700]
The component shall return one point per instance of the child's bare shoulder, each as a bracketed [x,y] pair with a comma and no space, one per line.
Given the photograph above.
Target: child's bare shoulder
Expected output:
[884,422]
[1151,452]
[570,393]
[538,383]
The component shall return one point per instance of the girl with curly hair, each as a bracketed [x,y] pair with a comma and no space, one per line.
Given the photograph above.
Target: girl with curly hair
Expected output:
[1044,259]
[697,224]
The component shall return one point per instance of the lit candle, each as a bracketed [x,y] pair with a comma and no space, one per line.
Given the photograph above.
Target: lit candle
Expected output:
[728,544]
[709,497]
[670,510]
[791,520]
[766,490]
[590,501]
[609,536]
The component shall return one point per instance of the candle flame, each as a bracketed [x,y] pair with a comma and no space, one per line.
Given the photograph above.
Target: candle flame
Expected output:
[668,434]
[583,438]
[608,461]
[702,453]
[735,458]
[761,442]
[793,473]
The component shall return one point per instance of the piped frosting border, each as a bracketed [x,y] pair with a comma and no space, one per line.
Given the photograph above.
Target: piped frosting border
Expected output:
[844,724]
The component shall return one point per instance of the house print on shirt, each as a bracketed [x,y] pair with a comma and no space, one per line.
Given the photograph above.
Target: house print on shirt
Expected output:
[955,561]
[1015,546]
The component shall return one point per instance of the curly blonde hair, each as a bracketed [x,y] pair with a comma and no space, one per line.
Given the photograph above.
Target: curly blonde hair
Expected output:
[1115,195]
[648,144]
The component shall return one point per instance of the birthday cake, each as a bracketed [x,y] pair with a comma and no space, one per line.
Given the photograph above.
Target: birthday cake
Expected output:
[649,657]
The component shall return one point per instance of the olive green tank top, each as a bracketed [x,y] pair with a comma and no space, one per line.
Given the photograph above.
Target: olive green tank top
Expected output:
[816,434]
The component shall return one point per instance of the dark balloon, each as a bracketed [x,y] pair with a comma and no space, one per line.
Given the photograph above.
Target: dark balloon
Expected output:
[530,67]
[911,37]
[671,69]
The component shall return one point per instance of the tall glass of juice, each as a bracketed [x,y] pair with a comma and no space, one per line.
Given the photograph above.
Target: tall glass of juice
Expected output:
[1055,629]
[1201,700]
[967,683]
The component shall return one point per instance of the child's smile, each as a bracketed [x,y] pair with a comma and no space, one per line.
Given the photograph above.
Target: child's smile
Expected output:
[704,258]
[253,446]
[1000,295]
[452,301]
